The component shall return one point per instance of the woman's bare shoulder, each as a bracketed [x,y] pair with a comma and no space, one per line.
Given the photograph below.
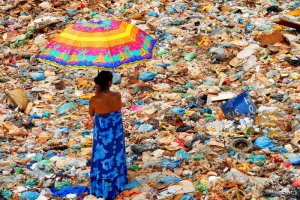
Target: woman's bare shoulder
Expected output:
[116,94]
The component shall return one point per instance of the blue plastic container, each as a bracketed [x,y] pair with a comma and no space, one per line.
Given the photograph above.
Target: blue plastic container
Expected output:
[241,105]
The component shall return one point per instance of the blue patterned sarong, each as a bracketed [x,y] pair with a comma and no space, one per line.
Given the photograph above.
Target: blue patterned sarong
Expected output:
[108,167]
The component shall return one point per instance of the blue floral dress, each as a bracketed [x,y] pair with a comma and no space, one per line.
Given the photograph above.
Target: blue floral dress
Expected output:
[108,168]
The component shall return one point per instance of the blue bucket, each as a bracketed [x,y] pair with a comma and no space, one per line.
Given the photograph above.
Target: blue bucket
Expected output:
[241,105]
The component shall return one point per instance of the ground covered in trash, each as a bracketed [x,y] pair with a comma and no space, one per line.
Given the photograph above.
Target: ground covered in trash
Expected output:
[214,115]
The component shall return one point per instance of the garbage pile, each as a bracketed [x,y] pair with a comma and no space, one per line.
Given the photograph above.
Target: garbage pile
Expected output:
[215,114]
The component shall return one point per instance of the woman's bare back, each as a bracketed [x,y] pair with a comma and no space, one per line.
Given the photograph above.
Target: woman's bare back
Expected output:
[105,102]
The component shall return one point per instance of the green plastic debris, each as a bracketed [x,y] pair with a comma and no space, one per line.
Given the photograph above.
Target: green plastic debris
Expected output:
[178,89]
[134,167]
[198,157]
[18,170]
[178,22]
[46,115]
[209,117]
[7,194]
[162,52]
[76,146]
[30,183]
[250,131]
[60,185]
[257,158]
[190,56]
[201,186]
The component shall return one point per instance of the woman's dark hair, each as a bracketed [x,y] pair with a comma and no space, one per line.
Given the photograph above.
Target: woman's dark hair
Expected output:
[103,79]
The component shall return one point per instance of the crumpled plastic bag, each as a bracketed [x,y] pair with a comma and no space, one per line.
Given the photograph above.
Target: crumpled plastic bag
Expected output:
[29,195]
[78,190]
[264,142]
[145,128]
[169,179]
[133,184]
[147,76]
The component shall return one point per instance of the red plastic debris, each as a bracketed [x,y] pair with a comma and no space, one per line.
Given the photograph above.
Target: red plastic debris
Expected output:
[287,164]
[297,182]
[277,159]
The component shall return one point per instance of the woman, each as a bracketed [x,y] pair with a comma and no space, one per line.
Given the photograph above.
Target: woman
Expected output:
[108,168]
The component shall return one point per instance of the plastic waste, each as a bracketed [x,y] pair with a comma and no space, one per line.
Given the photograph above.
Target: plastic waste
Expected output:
[218,54]
[116,78]
[239,105]
[264,142]
[178,110]
[182,154]
[187,197]
[190,56]
[257,158]
[206,53]
[153,14]
[294,160]
[133,184]
[66,190]
[66,108]
[7,194]
[29,195]
[147,76]
[60,185]
[170,163]
[145,128]
[169,179]
[296,182]
[37,76]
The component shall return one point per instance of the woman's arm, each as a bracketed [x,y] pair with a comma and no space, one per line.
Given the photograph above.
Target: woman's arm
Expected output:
[121,104]
[91,108]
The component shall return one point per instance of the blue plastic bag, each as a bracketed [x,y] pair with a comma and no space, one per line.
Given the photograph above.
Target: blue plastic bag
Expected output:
[178,110]
[37,157]
[249,28]
[294,160]
[37,76]
[183,154]
[153,14]
[29,195]
[147,76]
[61,130]
[169,179]
[264,142]
[72,12]
[66,107]
[133,184]
[238,106]
[170,163]
[34,116]
[279,149]
[7,194]
[78,190]
[145,128]
[49,154]
[187,197]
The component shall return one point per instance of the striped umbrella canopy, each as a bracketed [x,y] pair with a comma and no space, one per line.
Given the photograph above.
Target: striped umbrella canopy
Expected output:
[104,44]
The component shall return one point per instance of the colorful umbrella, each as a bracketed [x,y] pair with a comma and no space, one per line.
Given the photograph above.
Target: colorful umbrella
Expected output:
[98,44]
